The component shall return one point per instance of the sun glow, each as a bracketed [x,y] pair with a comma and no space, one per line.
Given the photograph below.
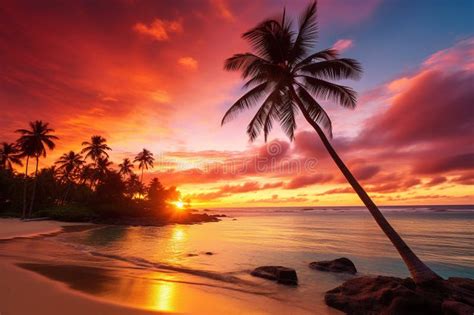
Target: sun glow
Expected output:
[179,204]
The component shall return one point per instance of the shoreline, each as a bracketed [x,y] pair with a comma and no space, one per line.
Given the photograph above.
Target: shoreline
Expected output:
[33,268]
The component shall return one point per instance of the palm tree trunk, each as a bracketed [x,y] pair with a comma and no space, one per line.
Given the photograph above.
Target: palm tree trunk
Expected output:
[34,188]
[418,270]
[23,214]
[141,178]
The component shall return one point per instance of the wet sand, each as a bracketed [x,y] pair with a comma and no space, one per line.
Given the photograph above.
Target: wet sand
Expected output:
[57,279]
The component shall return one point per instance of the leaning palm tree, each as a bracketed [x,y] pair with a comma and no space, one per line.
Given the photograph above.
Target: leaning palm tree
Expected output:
[126,167]
[289,78]
[96,148]
[9,155]
[145,159]
[34,141]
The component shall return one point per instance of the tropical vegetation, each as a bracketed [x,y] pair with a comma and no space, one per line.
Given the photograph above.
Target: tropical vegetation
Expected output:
[81,186]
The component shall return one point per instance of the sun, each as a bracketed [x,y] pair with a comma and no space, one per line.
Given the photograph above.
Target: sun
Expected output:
[179,204]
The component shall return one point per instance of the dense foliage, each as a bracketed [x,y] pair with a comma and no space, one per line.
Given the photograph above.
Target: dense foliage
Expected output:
[79,186]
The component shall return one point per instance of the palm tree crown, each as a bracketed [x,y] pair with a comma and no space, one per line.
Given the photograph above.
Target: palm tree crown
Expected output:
[9,155]
[69,164]
[32,142]
[96,148]
[145,159]
[282,72]
[125,168]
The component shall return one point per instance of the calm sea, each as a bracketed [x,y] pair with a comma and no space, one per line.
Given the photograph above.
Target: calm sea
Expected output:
[443,236]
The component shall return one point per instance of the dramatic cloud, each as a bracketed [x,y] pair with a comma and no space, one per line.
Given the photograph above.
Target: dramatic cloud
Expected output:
[149,74]
[343,44]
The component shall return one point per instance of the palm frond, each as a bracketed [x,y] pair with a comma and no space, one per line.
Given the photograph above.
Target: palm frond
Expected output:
[271,40]
[336,69]
[343,95]
[315,110]
[287,112]
[307,33]
[327,54]
[257,124]
[248,100]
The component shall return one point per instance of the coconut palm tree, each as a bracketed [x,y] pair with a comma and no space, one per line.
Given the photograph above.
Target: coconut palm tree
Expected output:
[287,77]
[34,141]
[126,167]
[96,148]
[145,159]
[9,155]
[102,168]
[25,151]
[69,165]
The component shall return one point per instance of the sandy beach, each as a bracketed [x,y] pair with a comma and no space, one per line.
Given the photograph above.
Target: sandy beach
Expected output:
[22,291]
[45,275]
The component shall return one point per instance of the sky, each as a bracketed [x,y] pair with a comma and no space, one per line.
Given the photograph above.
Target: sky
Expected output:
[149,74]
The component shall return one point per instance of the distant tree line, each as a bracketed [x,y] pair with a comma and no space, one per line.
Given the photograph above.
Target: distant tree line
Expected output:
[79,185]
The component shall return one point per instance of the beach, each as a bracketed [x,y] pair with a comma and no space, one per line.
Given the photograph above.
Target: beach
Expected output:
[204,269]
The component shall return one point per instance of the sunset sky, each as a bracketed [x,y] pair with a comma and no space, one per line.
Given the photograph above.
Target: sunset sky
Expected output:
[149,74]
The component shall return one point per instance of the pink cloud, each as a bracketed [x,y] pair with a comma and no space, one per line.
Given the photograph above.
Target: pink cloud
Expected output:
[343,45]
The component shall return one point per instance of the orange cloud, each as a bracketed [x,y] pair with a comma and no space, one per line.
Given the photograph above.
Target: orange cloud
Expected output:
[223,9]
[159,29]
[188,62]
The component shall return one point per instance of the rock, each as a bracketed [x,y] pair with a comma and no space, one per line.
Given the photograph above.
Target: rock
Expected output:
[451,307]
[280,274]
[209,253]
[390,295]
[192,255]
[337,265]
[380,295]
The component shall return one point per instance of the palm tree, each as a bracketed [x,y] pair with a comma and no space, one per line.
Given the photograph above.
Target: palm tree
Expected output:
[25,151]
[288,77]
[69,165]
[145,159]
[96,148]
[102,168]
[125,168]
[9,155]
[33,141]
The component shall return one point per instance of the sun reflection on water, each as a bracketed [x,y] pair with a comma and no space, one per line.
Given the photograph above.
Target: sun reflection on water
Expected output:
[163,296]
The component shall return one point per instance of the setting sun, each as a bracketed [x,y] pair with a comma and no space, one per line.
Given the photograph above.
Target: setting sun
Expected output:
[237,157]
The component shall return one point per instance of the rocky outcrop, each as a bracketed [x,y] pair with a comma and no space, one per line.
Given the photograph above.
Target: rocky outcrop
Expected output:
[343,264]
[390,295]
[279,274]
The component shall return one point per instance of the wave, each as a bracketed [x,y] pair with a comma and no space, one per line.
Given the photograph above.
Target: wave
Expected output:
[144,263]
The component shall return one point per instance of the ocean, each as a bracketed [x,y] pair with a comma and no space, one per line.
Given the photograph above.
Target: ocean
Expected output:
[219,256]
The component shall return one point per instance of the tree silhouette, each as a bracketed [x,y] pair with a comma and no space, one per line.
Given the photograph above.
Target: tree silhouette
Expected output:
[9,155]
[34,141]
[126,167]
[96,148]
[145,160]
[286,78]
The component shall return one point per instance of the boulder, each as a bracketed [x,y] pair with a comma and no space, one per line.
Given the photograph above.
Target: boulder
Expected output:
[337,265]
[279,274]
[390,295]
